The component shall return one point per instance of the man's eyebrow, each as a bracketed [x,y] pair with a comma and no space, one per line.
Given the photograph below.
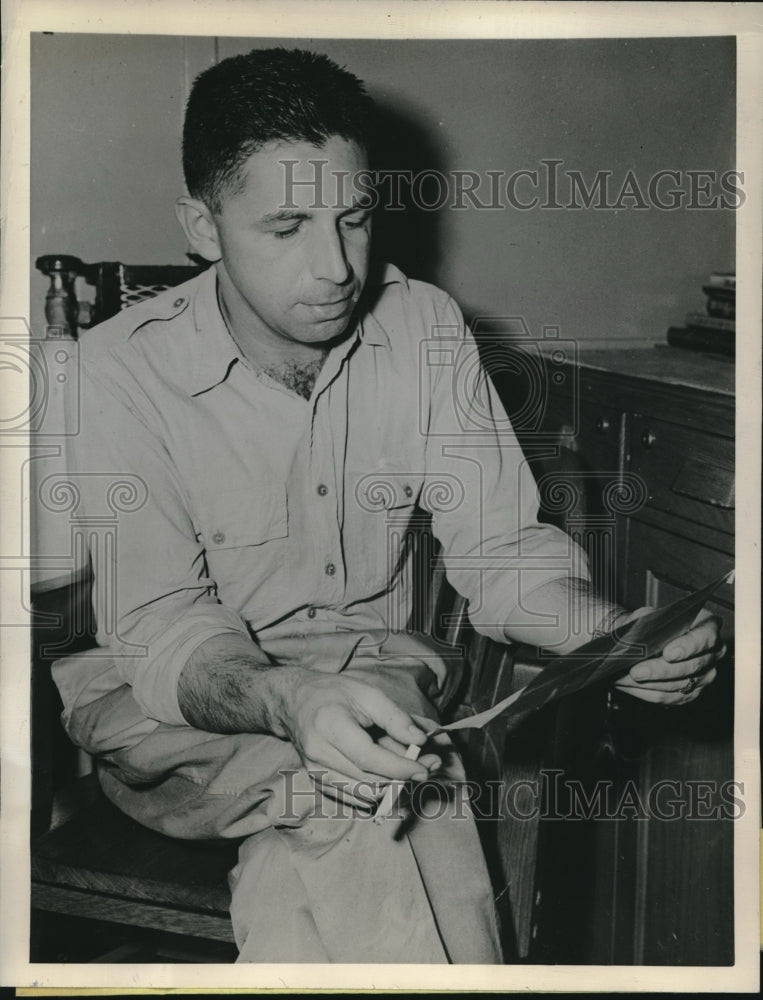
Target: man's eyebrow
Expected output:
[284,215]
[358,204]
[294,215]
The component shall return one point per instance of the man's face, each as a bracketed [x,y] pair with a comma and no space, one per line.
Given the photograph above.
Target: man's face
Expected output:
[293,275]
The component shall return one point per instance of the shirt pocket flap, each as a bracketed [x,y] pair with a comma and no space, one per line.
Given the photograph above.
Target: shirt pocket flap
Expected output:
[385,489]
[246,516]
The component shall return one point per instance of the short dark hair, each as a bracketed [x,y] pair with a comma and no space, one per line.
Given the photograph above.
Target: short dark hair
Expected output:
[246,101]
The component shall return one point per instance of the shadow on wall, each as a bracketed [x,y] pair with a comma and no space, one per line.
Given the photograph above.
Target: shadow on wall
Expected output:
[408,236]
[412,237]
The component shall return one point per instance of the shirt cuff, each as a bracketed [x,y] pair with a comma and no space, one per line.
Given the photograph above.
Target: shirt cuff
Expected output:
[155,675]
[503,589]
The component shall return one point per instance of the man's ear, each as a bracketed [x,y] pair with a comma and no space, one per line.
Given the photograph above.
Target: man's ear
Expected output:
[199,227]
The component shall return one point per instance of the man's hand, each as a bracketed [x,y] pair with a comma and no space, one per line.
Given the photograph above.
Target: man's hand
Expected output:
[348,728]
[685,667]
[329,719]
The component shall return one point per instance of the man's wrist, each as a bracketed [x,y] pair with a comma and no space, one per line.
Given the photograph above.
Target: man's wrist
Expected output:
[563,615]
[280,684]
[608,621]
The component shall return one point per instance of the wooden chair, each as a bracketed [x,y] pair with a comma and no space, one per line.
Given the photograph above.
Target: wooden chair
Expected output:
[116,286]
[89,860]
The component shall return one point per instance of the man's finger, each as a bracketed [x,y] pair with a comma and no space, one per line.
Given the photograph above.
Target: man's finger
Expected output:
[699,680]
[330,759]
[389,744]
[430,761]
[661,670]
[664,697]
[701,638]
[375,760]
[383,712]
[353,744]
[363,793]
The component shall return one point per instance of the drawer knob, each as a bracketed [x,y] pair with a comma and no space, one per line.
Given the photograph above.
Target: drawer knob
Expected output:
[602,425]
[648,439]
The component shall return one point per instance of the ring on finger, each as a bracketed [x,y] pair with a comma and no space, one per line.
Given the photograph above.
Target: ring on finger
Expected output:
[690,685]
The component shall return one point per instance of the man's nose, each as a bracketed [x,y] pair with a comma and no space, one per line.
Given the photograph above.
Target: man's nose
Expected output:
[329,258]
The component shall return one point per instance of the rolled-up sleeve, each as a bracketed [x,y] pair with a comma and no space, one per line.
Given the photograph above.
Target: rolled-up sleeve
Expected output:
[154,600]
[480,490]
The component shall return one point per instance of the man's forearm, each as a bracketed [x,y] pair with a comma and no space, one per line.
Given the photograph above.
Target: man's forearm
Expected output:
[228,685]
[562,615]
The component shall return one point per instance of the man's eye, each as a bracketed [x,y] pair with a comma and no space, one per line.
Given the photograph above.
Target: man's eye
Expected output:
[355,221]
[282,234]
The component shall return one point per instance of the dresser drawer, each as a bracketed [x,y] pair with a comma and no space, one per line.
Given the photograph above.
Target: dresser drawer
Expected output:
[598,441]
[687,473]
[590,428]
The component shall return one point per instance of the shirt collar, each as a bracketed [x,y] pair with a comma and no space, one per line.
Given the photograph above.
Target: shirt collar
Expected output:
[214,351]
[372,332]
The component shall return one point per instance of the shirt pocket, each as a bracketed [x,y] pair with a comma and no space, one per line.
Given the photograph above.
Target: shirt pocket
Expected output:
[245,516]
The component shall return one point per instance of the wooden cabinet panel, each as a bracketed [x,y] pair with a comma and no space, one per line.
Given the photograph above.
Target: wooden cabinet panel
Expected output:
[589,426]
[688,474]
[663,566]
[662,888]
[683,867]
[645,447]
[598,437]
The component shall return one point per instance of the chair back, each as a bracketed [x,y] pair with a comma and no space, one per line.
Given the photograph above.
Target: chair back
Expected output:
[116,286]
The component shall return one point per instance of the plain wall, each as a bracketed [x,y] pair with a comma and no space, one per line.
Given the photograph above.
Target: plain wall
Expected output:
[106,120]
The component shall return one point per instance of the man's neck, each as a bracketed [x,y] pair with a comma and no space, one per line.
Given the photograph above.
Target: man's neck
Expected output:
[295,366]
[298,376]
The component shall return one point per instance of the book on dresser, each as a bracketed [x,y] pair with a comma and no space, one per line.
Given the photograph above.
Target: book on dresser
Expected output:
[703,339]
[713,330]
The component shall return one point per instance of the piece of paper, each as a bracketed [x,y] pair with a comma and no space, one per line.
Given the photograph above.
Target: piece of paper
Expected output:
[603,659]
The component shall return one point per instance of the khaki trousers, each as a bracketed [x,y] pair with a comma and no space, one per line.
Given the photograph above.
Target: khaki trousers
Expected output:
[317,880]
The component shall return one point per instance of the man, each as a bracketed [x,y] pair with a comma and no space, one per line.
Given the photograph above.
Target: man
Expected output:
[283,414]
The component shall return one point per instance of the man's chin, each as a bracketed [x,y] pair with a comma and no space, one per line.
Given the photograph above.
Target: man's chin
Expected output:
[327,333]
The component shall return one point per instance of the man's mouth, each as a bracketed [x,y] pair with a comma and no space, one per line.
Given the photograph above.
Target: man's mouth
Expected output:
[332,309]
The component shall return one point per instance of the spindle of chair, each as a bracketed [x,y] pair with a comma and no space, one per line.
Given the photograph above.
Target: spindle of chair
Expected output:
[116,286]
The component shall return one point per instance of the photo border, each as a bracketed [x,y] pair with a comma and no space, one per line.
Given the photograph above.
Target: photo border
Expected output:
[369,19]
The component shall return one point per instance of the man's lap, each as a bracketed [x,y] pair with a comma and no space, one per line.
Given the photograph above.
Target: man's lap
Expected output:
[317,880]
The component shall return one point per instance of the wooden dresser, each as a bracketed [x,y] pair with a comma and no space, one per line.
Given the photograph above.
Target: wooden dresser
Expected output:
[634,455]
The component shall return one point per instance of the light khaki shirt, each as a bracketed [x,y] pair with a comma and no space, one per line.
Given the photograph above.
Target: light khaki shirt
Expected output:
[245,508]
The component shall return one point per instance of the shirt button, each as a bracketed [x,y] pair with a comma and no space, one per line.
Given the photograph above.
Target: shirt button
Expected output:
[311,612]
[408,491]
[330,569]
[218,538]
[178,303]
[322,490]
